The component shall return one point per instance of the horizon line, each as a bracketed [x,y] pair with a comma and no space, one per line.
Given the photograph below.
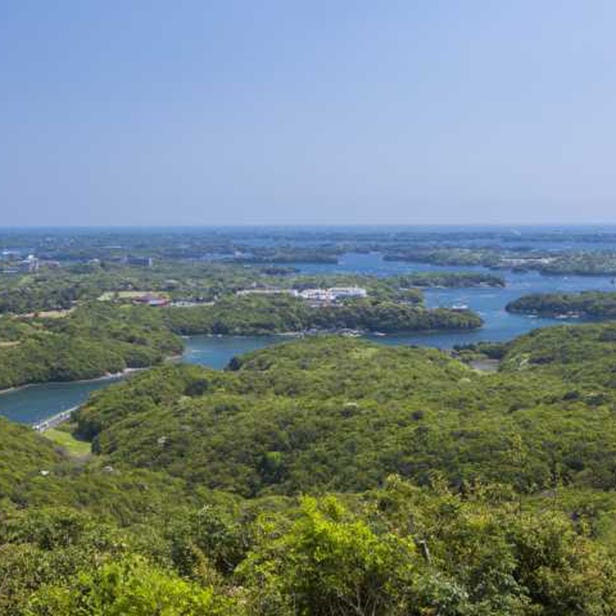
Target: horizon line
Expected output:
[308,225]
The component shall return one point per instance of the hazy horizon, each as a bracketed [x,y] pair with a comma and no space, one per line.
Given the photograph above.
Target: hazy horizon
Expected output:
[241,114]
[512,227]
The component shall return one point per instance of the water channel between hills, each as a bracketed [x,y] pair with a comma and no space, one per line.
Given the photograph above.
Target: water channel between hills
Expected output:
[36,402]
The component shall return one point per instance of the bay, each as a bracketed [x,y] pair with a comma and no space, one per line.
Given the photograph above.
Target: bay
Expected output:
[34,403]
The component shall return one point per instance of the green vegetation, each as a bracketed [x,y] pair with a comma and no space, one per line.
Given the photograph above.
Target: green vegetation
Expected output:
[63,288]
[72,446]
[257,314]
[583,263]
[96,260]
[343,414]
[94,340]
[98,336]
[427,487]
[451,279]
[599,263]
[322,476]
[288,255]
[23,453]
[487,257]
[594,304]
[327,476]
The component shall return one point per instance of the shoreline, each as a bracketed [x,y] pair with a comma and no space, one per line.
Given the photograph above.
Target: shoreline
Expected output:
[287,335]
[62,416]
[339,331]
[54,420]
[107,377]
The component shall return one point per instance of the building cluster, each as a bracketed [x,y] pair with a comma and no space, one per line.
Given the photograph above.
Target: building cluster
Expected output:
[332,294]
[317,296]
[14,264]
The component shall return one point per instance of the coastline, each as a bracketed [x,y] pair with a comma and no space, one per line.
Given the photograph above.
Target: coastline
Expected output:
[54,420]
[105,377]
[286,335]
[60,417]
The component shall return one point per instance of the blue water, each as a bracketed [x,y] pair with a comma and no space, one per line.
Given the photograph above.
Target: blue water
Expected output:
[216,352]
[36,402]
[488,302]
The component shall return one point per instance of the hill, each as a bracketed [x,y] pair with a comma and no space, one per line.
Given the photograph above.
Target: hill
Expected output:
[595,304]
[327,476]
[341,414]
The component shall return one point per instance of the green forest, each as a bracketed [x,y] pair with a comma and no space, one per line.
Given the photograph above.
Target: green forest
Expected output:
[257,314]
[327,476]
[95,338]
[547,262]
[594,304]
[63,287]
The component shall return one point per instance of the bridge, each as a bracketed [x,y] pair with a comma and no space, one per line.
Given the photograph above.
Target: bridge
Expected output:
[54,420]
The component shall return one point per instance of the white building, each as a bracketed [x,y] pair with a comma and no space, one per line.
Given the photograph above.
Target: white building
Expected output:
[338,292]
[332,294]
[29,264]
[316,295]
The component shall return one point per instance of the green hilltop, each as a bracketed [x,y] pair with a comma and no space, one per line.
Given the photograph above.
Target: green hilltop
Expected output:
[323,476]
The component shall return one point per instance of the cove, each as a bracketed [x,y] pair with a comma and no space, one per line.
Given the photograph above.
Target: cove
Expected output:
[34,403]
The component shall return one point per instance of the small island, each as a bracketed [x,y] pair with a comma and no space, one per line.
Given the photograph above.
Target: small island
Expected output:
[587,304]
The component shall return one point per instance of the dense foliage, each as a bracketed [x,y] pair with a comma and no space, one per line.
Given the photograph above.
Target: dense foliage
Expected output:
[257,314]
[85,338]
[588,304]
[427,487]
[62,288]
[181,251]
[451,279]
[93,340]
[578,262]
[447,256]
[343,414]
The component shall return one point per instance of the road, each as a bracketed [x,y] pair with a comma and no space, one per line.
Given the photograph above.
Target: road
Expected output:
[56,420]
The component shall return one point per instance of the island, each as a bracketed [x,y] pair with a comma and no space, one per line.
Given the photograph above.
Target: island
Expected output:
[586,304]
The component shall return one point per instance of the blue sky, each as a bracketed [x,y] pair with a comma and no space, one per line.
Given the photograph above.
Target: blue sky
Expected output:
[205,112]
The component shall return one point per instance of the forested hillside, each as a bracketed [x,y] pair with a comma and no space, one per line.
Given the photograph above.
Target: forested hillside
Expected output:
[343,414]
[327,476]
[99,337]
[595,304]
[279,313]
[93,340]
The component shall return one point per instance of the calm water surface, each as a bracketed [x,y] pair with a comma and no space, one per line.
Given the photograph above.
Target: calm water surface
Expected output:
[36,402]
[33,403]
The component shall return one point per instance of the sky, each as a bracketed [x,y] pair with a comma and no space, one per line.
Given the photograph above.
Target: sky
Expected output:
[206,112]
